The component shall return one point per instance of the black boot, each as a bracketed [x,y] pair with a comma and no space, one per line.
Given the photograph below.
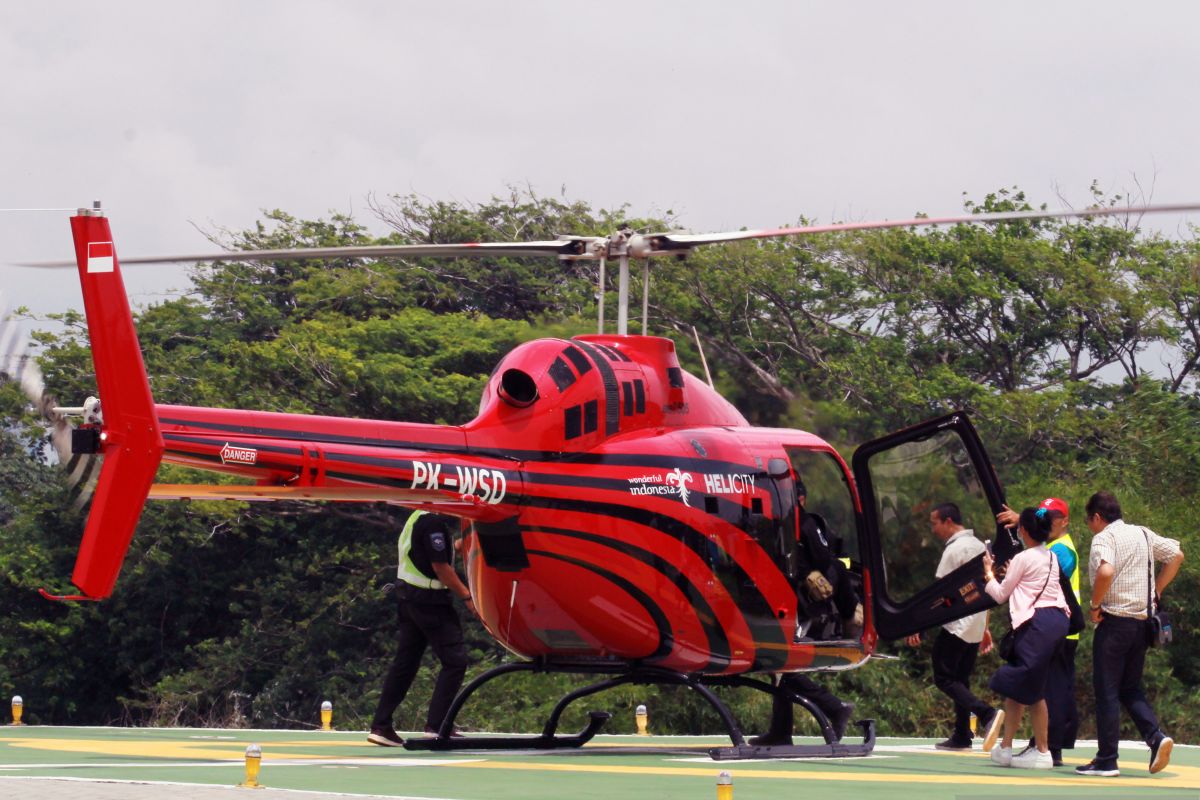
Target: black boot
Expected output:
[780,732]
[840,718]
[771,738]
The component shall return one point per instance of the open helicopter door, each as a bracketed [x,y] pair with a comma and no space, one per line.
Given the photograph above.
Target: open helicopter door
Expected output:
[901,479]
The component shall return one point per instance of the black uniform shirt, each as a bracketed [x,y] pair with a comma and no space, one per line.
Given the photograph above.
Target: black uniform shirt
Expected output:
[432,542]
[818,546]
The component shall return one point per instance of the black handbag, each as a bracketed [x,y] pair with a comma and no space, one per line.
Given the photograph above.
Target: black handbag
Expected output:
[1008,645]
[1159,632]
[1077,622]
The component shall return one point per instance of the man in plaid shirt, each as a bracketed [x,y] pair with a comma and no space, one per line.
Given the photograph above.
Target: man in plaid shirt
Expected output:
[1120,568]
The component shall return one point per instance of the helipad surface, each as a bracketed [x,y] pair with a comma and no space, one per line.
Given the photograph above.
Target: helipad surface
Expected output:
[84,763]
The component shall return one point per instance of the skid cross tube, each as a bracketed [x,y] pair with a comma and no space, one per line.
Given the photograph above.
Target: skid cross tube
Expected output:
[626,674]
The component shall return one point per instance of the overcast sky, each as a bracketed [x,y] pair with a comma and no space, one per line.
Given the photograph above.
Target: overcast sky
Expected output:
[747,114]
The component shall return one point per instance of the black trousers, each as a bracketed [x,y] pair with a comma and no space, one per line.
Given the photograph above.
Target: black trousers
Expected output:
[783,710]
[1060,697]
[953,663]
[421,625]
[1118,660]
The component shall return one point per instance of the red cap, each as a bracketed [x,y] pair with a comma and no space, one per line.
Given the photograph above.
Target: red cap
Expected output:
[1054,504]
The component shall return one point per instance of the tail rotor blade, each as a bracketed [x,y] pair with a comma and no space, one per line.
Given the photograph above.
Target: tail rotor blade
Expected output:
[18,365]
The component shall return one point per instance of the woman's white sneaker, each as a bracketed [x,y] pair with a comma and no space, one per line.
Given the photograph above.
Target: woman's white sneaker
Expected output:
[1033,759]
[1002,756]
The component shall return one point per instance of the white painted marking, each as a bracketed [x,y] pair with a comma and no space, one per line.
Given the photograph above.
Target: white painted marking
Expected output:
[839,759]
[201,786]
[316,761]
[100,257]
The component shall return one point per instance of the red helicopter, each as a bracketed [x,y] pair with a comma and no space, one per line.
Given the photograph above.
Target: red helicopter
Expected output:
[620,518]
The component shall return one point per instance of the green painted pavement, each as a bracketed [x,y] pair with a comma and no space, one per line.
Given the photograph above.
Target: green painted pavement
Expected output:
[344,762]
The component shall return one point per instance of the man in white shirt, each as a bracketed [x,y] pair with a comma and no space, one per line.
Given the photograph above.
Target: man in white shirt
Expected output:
[959,642]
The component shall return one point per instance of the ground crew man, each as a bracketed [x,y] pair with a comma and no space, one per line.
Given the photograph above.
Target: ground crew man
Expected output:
[425,587]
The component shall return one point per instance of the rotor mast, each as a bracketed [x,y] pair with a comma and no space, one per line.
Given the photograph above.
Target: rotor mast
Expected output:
[625,244]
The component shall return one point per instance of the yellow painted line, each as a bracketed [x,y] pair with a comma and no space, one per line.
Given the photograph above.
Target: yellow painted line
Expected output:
[1174,778]
[175,749]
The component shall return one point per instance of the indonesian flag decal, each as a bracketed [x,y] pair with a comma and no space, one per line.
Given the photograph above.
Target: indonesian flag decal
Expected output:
[100,257]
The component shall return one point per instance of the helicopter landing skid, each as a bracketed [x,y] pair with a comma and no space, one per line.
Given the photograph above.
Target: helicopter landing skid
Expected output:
[833,749]
[549,738]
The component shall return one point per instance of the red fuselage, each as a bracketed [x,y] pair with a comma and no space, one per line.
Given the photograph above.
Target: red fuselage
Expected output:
[617,508]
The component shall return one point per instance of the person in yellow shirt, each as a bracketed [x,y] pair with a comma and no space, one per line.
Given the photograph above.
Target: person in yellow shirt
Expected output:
[425,585]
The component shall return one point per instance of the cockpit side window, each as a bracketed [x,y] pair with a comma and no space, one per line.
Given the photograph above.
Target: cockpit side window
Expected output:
[828,495]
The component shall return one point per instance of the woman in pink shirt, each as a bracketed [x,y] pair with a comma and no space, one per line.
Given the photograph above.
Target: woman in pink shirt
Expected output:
[1040,617]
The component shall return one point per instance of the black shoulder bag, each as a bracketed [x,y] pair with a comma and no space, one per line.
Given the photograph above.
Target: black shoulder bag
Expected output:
[1158,622]
[1008,642]
[1077,622]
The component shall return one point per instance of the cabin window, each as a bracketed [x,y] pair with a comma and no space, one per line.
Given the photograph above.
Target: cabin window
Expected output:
[909,481]
[828,494]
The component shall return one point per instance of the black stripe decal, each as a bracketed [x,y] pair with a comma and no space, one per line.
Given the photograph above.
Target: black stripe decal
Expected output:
[508,454]
[577,358]
[612,413]
[639,391]
[627,394]
[718,642]
[613,353]
[608,351]
[530,478]
[666,636]
[756,611]
[210,441]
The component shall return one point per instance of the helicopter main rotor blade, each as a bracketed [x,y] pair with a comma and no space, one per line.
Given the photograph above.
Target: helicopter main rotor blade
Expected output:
[567,247]
[625,243]
[662,243]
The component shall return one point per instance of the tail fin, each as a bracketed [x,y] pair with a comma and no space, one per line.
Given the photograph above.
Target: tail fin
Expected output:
[129,438]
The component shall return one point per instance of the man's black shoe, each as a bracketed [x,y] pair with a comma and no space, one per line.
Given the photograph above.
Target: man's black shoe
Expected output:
[770,739]
[840,719]
[952,744]
[385,737]
[1160,754]
[1100,770]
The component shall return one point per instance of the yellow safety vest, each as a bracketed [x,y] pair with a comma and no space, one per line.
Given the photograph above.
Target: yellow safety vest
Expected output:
[1065,542]
[406,570]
